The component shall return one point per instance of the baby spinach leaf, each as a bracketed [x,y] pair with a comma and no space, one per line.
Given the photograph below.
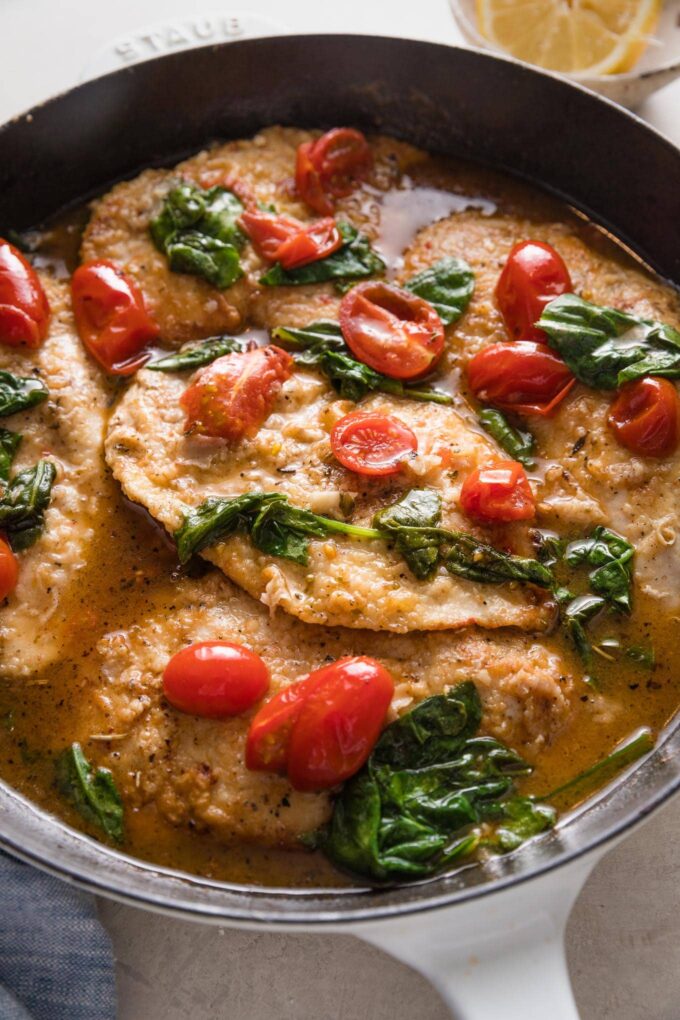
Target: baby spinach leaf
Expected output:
[417,804]
[9,444]
[198,232]
[612,557]
[576,615]
[92,791]
[197,355]
[353,261]
[448,286]
[24,502]
[17,393]
[281,529]
[408,522]
[321,346]
[517,442]
[605,347]
[549,546]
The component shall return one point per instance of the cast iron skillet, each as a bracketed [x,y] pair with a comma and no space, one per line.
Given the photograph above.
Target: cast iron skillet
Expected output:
[596,156]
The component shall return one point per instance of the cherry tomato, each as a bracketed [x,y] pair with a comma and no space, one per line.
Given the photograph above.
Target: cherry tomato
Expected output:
[523,376]
[645,417]
[339,723]
[111,317]
[286,240]
[230,398]
[331,166]
[533,276]
[215,679]
[498,492]
[9,569]
[270,731]
[372,444]
[391,330]
[24,309]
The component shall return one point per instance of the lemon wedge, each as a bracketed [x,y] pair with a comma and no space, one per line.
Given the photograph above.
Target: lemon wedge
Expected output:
[585,37]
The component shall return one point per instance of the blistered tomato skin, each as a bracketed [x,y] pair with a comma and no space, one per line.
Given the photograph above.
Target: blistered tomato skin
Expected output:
[230,398]
[533,276]
[645,417]
[24,308]
[372,444]
[111,317]
[339,723]
[270,731]
[331,167]
[499,492]
[391,330]
[9,569]
[524,376]
[288,241]
[215,679]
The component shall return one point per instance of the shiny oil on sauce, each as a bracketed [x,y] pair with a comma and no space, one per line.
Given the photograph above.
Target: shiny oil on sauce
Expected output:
[133,569]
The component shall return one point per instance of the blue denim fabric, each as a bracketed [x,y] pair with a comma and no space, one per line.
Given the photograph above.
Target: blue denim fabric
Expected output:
[56,961]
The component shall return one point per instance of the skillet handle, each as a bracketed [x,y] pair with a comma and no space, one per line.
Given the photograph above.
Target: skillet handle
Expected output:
[501,955]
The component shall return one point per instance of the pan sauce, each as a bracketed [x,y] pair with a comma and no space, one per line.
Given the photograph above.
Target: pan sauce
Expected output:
[132,571]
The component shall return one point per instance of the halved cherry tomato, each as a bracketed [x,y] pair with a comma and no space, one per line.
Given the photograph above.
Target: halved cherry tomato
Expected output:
[498,492]
[24,309]
[290,242]
[372,444]
[533,276]
[9,569]
[215,679]
[523,376]
[111,317]
[270,731]
[339,723]
[331,165]
[391,330]
[645,417]
[230,398]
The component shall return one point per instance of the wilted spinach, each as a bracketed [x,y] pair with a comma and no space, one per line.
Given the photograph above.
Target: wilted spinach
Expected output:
[429,784]
[611,556]
[196,355]
[321,346]
[519,443]
[355,260]
[23,504]
[9,444]
[448,285]
[92,791]
[280,529]
[197,229]
[17,393]
[605,347]
[625,754]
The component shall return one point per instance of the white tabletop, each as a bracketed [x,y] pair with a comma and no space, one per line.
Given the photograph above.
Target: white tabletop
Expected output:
[624,934]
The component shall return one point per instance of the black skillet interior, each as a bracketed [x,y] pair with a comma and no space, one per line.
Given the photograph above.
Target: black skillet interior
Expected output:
[587,151]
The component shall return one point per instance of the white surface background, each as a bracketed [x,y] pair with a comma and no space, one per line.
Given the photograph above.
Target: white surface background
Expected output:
[624,934]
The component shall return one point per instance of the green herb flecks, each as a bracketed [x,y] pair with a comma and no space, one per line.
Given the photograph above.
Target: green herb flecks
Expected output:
[430,783]
[196,355]
[198,232]
[9,445]
[321,346]
[517,442]
[18,393]
[605,347]
[448,285]
[355,260]
[23,504]
[92,791]
[276,527]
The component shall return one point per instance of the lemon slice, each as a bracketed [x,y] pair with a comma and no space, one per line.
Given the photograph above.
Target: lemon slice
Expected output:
[586,37]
